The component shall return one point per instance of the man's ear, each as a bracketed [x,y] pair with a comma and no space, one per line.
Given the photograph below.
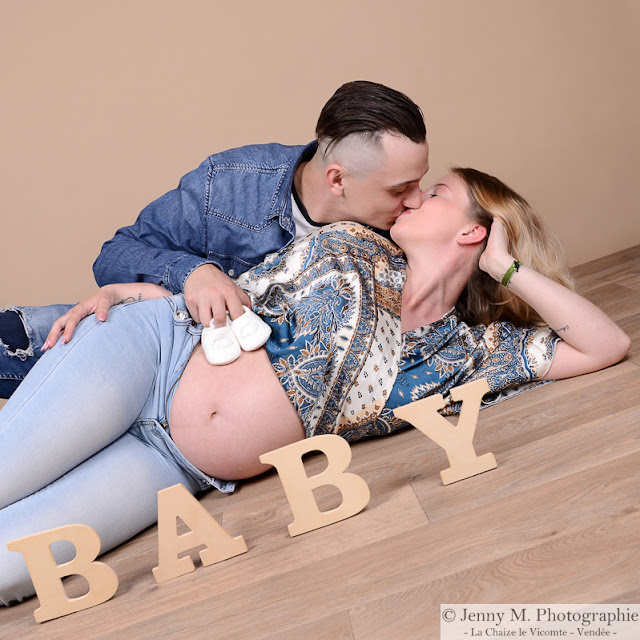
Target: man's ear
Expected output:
[334,175]
[472,234]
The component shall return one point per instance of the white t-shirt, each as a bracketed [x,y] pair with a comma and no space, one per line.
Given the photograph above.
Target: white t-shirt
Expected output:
[303,225]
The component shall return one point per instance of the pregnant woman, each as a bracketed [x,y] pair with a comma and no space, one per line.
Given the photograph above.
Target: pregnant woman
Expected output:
[129,406]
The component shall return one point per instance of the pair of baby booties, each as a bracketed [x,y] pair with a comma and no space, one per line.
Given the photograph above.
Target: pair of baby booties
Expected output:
[225,344]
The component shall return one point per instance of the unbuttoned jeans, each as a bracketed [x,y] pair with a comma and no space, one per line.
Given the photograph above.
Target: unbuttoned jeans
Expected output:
[85,438]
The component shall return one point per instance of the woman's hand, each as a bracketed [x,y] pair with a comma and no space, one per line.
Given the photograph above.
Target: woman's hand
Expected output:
[99,303]
[590,339]
[496,259]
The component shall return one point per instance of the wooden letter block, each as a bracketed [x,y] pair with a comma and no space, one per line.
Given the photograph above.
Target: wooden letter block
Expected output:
[175,502]
[457,441]
[47,575]
[299,488]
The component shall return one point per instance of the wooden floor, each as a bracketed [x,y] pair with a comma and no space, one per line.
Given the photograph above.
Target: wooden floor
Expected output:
[557,522]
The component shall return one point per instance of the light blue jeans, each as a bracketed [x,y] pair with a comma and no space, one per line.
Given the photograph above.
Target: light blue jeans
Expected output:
[85,439]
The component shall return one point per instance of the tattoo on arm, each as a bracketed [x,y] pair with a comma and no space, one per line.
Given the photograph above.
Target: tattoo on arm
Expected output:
[130,299]
[565,328]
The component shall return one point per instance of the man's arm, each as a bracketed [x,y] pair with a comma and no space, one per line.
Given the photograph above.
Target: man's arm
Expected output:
[167,241]
[167,246]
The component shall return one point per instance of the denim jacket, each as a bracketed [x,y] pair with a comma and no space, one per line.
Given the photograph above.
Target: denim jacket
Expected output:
[231,211]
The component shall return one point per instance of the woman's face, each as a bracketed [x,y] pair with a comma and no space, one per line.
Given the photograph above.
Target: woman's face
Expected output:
[439,220]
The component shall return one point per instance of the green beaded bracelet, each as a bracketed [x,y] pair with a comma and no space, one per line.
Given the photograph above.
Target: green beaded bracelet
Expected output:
[510,271]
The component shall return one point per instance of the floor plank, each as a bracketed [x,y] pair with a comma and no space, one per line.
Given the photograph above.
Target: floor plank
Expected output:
[544,573]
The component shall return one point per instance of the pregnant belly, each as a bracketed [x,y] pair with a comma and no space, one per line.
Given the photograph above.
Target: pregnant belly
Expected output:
[222,418]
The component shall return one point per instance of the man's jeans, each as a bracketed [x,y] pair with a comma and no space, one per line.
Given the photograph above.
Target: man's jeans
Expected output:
[15,363]
[85,439]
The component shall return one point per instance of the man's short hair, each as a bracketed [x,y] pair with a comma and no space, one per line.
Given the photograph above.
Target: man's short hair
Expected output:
[369,109]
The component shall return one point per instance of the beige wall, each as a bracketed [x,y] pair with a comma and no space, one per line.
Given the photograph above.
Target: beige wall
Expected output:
[106,104]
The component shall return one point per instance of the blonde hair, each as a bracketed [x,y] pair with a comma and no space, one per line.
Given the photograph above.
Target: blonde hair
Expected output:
[484,300]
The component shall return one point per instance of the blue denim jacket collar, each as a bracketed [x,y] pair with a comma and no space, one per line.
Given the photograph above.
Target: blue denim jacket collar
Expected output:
[283,209]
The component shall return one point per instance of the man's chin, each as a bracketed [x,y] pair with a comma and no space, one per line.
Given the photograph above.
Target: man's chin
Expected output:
[395,220]
[392,221]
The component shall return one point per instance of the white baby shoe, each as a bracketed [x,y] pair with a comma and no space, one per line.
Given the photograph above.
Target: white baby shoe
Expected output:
[250,330]
[220,345]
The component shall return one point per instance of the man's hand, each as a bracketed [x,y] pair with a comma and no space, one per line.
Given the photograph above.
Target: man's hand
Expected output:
[210,293]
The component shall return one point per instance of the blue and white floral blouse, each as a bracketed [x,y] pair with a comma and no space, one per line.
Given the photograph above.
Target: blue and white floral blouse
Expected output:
[333,302]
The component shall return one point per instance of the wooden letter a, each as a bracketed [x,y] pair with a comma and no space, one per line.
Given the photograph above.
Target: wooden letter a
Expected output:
[177,502]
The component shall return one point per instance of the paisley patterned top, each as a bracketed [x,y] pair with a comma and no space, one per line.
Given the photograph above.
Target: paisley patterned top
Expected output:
[333,302]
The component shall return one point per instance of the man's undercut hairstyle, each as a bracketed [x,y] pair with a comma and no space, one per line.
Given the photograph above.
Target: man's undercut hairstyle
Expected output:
[369,109]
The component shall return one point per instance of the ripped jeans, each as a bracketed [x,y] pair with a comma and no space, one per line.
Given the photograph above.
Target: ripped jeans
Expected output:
[23,331]
[85,439]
